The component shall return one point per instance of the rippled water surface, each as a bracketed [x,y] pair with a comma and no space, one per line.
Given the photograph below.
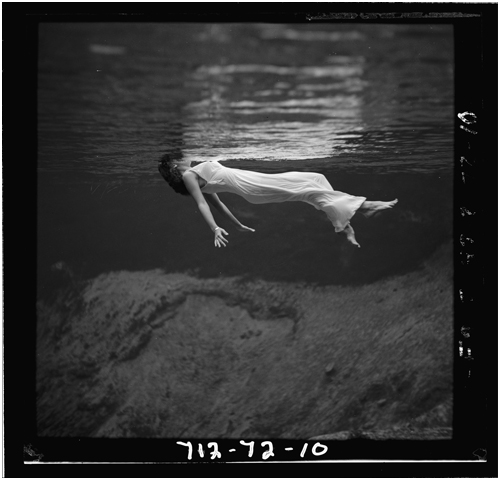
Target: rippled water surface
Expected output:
[112,95]
[353,101]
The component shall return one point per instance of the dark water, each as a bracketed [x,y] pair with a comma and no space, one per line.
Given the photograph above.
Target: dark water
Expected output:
[370,106]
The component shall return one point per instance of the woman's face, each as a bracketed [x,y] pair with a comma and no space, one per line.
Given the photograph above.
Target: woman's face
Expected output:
[182,162]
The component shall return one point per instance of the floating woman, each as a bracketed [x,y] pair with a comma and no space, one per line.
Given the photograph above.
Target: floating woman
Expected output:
[204,181]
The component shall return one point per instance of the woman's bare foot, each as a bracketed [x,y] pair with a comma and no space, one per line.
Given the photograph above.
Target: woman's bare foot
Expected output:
[369,209]
[349,231]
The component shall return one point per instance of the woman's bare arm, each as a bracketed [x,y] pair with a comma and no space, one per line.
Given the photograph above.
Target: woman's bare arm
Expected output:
[193,188]
[215,201]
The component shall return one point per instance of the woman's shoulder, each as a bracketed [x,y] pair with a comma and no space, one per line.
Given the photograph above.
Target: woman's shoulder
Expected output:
[209,164]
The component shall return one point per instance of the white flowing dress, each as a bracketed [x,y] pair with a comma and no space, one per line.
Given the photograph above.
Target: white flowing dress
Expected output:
[309,187]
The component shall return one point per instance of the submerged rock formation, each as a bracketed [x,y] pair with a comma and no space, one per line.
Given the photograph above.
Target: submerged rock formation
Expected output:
[151,354]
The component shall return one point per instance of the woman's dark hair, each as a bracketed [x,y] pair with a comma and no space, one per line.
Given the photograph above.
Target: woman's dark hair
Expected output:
[170,172]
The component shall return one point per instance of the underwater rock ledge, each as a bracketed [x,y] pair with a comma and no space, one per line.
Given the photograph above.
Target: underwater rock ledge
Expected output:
[157,355]
[395,433]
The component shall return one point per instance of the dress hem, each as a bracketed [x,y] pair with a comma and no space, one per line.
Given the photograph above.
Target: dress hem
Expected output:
[343,226]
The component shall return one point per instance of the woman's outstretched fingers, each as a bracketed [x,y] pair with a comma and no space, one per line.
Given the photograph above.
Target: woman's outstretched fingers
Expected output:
[244,228]
[219,237]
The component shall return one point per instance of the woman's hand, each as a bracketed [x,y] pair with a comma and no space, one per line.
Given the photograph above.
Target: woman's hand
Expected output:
[220,241]
[243,228]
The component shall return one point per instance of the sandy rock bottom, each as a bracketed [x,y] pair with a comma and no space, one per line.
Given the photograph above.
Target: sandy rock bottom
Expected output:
[154,355]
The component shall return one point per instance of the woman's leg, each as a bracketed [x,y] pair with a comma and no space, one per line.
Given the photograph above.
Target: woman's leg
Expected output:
[349,232]
[369,208]
[339,208]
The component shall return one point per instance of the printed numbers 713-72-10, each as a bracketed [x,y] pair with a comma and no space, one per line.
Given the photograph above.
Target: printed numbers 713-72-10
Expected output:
[213,449]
